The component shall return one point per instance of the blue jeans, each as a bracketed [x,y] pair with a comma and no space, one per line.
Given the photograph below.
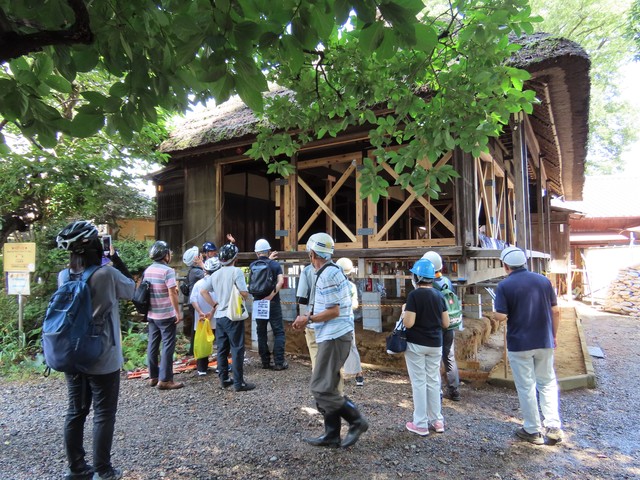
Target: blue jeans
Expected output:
[277,327]
[230,337]
[423,365]
[102,391]
[165,331]
[533,370]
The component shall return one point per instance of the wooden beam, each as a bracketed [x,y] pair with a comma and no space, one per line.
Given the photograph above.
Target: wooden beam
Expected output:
[333,160]
[327,199]
[519,178]
[292,212]
[407,203]
[465,194]
[219,200]
[532,141]
[434,211]
[326,209]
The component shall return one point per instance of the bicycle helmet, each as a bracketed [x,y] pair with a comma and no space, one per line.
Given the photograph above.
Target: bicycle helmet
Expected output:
[159,250]
[212,264]
[77,236]
[209,247]
[228,253]
[189,256]
[434,258]
[423,269]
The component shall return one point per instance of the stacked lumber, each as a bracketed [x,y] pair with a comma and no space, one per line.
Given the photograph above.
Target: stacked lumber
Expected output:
[624,293]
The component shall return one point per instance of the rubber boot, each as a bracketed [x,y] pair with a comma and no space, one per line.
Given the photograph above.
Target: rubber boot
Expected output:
[357,423]
[331,437]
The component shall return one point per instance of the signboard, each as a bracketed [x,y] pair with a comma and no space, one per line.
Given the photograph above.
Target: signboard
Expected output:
[261,309]
[19,257]
[18,283]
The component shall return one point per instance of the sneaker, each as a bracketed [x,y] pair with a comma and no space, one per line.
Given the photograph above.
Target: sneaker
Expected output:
[245,387]
[535,438]
[359,381]
[226,383]
[555,433]
[113,474]
[281,366]
[412,427]
[152,382]
[85,474]
[438,426]
[170,385]
[202,374]
[267,366]
[454,394]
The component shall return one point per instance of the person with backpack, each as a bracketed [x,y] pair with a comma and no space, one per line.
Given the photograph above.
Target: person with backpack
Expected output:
[98,382]
[528,303]
[209,250]
[163,316]
[202,309]
[425,316]
[265,282]
[193,260]
[333,324]
[229,333]
[442,284]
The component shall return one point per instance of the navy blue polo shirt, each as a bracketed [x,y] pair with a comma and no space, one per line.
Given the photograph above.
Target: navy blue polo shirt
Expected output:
[526,298]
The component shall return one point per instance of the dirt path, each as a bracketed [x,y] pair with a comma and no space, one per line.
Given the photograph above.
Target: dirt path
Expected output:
[202,432]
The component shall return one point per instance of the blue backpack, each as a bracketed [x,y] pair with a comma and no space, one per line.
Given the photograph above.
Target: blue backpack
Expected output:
[71,339]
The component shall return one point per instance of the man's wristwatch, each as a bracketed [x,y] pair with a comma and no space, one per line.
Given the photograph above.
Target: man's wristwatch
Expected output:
[309,319]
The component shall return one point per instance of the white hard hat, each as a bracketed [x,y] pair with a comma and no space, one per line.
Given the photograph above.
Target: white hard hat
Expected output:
[345,264]
[434,258]
[321,243]
[513,256]
[190,256]
[262,246]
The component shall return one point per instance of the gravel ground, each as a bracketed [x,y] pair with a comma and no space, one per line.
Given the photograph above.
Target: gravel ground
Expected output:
[202,432]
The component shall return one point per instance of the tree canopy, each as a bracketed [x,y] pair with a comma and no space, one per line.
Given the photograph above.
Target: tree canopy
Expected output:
[441,70]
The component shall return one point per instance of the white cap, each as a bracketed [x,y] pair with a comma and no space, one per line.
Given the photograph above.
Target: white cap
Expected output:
[262,246]
[434,258]
[190,256]
[513,257]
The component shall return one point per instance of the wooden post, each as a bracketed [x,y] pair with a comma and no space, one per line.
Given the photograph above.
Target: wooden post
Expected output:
[465,199]
[292,210]
[218,202]
[519,175]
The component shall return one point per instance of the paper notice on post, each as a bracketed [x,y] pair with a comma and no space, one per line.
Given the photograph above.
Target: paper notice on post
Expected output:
[261,309]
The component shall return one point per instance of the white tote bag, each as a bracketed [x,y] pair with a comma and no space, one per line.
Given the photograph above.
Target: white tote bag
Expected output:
[236,310]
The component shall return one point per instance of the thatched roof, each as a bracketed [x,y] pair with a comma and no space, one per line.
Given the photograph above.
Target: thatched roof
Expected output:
[560,71]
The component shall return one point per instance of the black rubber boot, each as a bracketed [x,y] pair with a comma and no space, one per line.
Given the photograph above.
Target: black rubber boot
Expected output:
[331,437]
[357,423]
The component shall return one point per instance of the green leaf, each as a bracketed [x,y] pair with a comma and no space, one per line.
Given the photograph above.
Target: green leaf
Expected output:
[59,83]
[249,94]
[85,58]
[96,98]
[119,89]
[371,36]
[426,37]
[19,64]
[84,125]
[342,9]
[366,10]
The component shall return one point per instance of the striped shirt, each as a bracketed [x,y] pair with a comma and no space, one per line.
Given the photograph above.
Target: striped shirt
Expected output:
[332,288]
[161,277]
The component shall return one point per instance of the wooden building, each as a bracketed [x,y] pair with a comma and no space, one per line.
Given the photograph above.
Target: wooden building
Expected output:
[209,186]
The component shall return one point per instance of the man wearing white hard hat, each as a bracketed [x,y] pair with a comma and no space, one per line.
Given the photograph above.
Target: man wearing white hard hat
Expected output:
[265,283]
[330,315]
[527,301]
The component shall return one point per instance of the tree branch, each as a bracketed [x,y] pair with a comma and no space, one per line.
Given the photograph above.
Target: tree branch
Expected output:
[14,44]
